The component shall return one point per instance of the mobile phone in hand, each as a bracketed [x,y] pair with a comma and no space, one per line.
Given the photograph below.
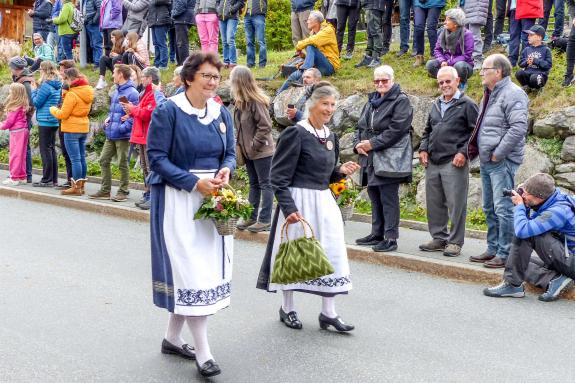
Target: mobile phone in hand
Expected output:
[124,99]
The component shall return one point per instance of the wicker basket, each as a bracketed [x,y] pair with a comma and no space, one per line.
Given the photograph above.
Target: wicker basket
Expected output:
[346,212]
[226,227]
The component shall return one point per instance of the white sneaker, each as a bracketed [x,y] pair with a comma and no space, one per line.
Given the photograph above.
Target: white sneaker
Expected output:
[101,84]
[10,182]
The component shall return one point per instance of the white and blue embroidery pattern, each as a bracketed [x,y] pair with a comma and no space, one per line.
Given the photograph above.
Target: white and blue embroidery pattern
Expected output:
[329,282]
[190,297]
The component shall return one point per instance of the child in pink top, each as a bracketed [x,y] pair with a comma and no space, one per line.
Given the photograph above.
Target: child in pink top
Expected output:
[16,122]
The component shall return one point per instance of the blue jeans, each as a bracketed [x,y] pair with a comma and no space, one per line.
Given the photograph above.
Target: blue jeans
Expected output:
[65,45]
[159,38]
[313,59]
[425,18]
[95,41]
[517,36]
[76,148]
[256,25]
[559,15]
[405,7]
[228,30]
[496,176]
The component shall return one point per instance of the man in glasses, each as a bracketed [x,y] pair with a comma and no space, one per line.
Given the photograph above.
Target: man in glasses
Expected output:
[499,141]
[443,153]
[544,221]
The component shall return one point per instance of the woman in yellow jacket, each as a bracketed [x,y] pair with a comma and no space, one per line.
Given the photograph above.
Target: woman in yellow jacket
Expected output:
[75,125]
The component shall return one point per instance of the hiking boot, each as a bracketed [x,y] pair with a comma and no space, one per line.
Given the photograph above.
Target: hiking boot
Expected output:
[146,205]
[369,240]
[433,245]
[401,53]
[419,61]
[556,286]
[483,257]
[100,195]
[495,263]
[364,62]
[348,56]
[143,200]
[375,62]
[505,290]
[74,190]
[567,81]
[452,250]
[244,224]
[120,196]
[385,245]
[259,227]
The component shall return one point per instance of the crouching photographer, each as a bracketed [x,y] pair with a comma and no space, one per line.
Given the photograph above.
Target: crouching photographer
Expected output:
[544,221]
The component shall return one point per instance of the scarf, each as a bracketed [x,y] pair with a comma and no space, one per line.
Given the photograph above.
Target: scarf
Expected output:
[448,40]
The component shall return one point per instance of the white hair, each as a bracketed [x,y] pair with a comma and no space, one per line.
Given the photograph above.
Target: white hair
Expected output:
[448,69]
[384,70]
[317,15]
[178,70]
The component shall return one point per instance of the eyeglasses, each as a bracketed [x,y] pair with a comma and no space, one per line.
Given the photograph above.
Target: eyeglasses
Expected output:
[484,69]
[447,82]
[382,81]
[209,76]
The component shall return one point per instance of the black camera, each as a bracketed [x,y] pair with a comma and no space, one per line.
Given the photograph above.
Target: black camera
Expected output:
[509,192]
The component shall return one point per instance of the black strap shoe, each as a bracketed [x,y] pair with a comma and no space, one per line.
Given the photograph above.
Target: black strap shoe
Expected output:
[186,351]
[337,323]
[290,319]
[210,368]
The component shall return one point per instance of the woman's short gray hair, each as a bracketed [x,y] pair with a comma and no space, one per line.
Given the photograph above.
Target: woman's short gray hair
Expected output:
[317,15]
[178,70]
[384,70]
[320,91]
[457,15]
[152,72]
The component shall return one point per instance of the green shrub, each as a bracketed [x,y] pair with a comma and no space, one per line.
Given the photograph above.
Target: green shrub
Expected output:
[278,25]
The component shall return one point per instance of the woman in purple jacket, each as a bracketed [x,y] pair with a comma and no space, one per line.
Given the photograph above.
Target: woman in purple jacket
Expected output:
[110,19]
[454,47]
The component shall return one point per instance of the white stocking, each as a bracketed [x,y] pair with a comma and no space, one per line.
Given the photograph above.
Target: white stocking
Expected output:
[328,307]
[174,331]
[287,301]
[199,328]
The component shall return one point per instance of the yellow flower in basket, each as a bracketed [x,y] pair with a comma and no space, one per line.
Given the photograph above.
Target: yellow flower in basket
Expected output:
[229,195]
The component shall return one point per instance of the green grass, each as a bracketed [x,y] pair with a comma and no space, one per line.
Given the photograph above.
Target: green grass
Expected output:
[550,146]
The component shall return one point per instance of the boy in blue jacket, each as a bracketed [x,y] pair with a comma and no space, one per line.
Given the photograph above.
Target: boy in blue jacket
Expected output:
[536,60]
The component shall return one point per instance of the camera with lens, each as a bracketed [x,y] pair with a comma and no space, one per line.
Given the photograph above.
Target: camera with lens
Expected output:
[509,192]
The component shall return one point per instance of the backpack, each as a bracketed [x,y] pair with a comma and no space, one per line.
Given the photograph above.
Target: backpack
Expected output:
[77,23]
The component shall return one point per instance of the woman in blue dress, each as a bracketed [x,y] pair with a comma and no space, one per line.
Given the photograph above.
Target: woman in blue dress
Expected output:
[191,154]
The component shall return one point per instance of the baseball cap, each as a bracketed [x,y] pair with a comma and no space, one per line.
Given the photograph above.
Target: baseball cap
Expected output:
[536,30]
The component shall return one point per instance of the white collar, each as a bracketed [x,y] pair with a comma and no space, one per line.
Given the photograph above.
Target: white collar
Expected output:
[214,109]
[307,126]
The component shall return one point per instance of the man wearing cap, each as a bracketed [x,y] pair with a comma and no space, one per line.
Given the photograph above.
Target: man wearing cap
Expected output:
[536,60]
[22,75]
[544,221]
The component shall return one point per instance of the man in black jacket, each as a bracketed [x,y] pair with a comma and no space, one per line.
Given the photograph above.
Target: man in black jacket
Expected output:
[40,15]
[183,16]
[159,21]
[443,153]
[379,30]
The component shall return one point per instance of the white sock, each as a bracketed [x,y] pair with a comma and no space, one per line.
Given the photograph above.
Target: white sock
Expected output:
[287,301]
[199,328]
[328,307]
[174,331]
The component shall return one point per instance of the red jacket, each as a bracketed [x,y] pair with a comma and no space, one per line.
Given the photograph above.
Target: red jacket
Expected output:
[529,9]
[142,114]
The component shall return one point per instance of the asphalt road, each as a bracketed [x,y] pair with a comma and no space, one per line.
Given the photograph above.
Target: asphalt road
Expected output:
[75,306]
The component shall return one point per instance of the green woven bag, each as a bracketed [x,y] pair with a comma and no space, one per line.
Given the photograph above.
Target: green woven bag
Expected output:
[301,259]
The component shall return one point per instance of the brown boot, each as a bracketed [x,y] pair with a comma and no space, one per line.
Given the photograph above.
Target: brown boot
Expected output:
[74,190]
[80,184]
[419,61]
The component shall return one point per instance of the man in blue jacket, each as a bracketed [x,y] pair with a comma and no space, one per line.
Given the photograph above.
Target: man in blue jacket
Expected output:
[118,128]
[544,221]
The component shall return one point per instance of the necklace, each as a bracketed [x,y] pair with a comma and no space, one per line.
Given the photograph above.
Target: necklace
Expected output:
[192,105]
[322,140]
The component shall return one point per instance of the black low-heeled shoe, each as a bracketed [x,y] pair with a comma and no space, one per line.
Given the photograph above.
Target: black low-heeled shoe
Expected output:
[186,351]
[290,319]
[210,368]
[337,323]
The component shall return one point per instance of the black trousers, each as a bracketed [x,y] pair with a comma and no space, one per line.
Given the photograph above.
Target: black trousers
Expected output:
[107,62]
[350,16]
[384,210]
[107,35]
[501,13]
[66,156]
[47,136]
[182,43]
[34,64]
[259,173]
[530,79]
[129,58]
[570,53]
[552,262]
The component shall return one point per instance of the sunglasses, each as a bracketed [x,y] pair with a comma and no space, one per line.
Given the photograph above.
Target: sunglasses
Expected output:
[382,81]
